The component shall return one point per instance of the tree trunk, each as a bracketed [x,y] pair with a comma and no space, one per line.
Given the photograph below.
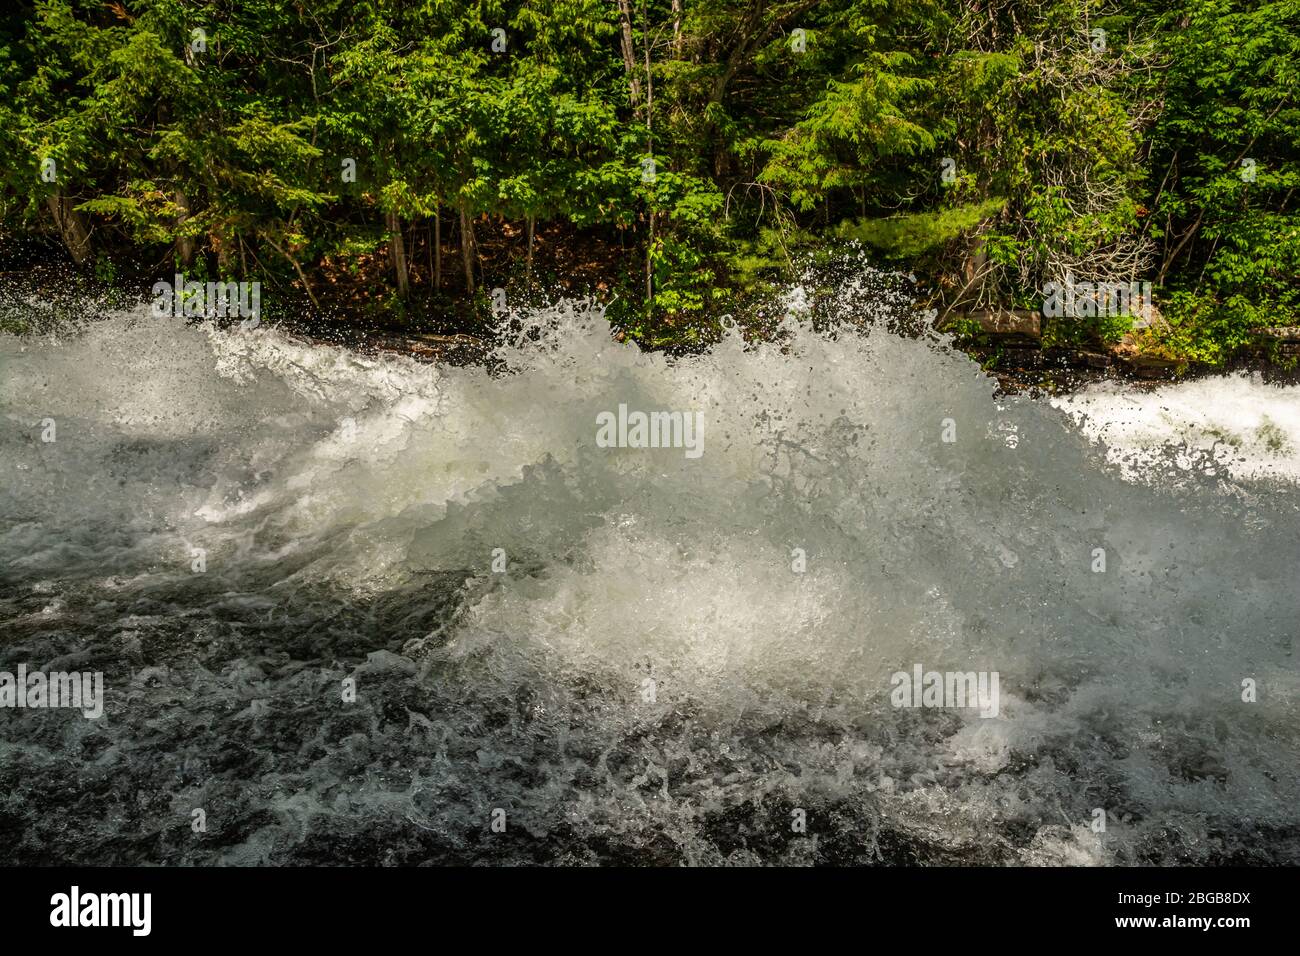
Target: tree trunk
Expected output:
[184,244]
[467,247]
[649,262]
[629,52]
[649,87]
[297,267]
[428,241]
[397,247]
[1186,238]
[437,249]
[753,35]
[72,227]
[650,145]
[532,230]
[974,267]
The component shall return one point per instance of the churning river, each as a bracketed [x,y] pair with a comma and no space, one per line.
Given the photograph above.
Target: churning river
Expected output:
[355,609]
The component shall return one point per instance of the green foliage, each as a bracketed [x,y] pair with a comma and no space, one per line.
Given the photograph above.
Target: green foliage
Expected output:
[1085,331]
[1233,233]
[1204,329]
[775,128]
[912,236]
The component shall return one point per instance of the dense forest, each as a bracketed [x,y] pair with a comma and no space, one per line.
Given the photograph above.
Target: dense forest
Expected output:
[402,159]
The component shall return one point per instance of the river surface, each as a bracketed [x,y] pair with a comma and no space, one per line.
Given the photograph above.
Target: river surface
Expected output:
[357,609]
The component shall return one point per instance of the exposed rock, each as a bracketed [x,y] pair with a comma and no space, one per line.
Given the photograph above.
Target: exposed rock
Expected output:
[1020,323]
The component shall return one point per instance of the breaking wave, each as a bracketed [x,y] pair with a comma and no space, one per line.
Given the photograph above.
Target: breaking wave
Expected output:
[649,679]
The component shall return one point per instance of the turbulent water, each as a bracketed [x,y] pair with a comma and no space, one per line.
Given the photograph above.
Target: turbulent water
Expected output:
[651,678]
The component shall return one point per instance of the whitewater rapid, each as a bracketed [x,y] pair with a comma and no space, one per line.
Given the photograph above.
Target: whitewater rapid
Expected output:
[613,646]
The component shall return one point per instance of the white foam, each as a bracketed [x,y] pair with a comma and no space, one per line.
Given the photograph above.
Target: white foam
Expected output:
[307,470]
[1248,429]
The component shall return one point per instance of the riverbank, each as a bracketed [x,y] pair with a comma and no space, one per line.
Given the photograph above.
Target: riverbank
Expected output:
[1024,351]
[1010,347]
[1014,346]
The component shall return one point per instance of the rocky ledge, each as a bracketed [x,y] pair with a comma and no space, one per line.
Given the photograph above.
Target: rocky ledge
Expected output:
[1010,345]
